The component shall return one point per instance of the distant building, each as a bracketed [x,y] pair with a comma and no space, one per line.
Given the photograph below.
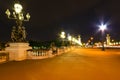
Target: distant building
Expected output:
[108,40]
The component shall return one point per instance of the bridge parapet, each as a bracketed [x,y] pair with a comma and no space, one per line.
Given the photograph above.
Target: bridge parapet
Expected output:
[41,54]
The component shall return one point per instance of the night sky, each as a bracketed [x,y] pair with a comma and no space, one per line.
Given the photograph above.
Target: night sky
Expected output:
[49,17]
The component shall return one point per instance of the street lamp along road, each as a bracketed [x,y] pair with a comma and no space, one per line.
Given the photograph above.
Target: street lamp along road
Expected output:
[70,39]
[18,33]
[102,28]
[62,36]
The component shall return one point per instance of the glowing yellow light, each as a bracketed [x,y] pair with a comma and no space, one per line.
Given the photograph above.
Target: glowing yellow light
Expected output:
[73,39]
[91,38]
[69,38]
[88,41]
[18,8]
[21,17]
[7,12]
[62,35]
[112,40]
[28,16]
[117,43]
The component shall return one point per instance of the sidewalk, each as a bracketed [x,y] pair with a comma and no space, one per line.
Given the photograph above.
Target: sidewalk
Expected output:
[98,52]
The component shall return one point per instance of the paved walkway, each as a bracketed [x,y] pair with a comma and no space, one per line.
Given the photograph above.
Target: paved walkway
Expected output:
[80,64]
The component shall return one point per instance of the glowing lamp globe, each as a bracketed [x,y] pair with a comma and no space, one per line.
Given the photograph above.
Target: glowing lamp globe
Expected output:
[102,27]
[18,8]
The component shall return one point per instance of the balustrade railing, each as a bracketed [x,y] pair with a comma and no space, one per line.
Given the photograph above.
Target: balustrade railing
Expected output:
[43,53]
[38,54]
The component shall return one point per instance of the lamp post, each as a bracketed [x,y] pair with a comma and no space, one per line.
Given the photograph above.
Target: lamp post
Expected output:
[70,39]
[62,36]
[91,38]
[18,33]
[79,40]
[102,28]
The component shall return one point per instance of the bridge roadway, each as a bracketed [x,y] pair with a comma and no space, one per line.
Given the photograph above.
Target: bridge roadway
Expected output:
[78,64]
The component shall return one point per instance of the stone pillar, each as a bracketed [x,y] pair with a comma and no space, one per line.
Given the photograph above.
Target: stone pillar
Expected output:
[18,51]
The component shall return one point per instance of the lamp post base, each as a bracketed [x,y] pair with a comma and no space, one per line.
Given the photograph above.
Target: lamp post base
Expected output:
[18,51]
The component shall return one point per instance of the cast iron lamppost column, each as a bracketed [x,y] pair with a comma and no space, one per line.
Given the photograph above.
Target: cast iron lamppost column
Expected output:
[18,33]
[102,28]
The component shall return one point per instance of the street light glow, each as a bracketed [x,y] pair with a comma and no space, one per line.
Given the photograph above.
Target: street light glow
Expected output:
[18,33]
[102,27]
[69,38]
[18,8]
[62,34]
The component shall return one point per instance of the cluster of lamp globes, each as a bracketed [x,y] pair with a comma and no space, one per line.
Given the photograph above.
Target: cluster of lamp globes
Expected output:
[69,38]
[17,13]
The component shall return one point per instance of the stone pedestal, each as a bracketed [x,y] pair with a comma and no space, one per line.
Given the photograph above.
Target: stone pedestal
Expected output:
[18,51]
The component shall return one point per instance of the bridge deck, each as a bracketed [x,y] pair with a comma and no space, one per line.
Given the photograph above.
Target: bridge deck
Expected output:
[80,64]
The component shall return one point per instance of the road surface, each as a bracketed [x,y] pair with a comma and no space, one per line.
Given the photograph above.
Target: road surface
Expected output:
[78,64]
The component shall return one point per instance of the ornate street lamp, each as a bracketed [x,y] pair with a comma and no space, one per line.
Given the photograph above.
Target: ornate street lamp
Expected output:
[18,33]
[69,37]
[102,28]
[79,40]
[63,36]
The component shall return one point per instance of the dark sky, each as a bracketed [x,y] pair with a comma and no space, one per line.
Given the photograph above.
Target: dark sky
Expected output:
[49,17]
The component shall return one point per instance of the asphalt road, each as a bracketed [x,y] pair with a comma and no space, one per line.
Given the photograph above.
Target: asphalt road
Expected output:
[78,64]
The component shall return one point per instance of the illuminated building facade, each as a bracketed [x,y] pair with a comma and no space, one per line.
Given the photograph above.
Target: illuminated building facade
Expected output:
[108,40]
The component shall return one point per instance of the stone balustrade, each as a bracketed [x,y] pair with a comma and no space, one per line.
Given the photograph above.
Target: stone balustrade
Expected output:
[36,54]
[41,54]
